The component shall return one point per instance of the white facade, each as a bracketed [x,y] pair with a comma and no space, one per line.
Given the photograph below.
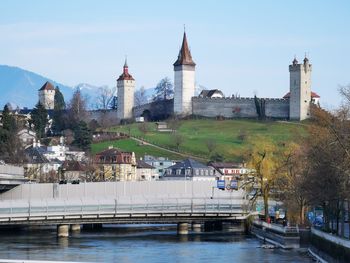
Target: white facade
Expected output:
[126,89]
[47,98]
[26,136]
[184,89]
[147,174]
[300,90]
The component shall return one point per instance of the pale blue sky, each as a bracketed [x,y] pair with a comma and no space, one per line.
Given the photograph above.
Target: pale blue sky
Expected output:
[240,47]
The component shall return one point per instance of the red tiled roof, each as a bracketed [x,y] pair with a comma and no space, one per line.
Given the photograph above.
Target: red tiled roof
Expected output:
[47,86]
[313,95]
[184,57]
[125,75]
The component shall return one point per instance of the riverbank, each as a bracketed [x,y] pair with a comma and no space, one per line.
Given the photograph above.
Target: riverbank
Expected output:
[324,247]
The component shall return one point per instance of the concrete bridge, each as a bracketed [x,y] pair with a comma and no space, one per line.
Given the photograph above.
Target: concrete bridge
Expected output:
[180,202]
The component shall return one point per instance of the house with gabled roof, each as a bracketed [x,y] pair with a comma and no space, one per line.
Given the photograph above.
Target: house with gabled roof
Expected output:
[189,169]
[116,165]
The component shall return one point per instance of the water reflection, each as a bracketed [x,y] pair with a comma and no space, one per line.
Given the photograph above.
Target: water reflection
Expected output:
[140,243]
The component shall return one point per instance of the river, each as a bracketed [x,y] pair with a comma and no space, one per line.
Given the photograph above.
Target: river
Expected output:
[140,243]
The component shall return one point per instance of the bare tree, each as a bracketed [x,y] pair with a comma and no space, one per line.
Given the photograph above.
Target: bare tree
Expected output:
[164,90]
[140,96]
[174,124]
[76,109]
[211,145]
[143,128]
[105,97]
[178,140]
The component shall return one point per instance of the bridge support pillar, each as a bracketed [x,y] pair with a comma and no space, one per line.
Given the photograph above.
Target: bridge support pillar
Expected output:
[75,228]
[196,227]
[63,230]
[182,228]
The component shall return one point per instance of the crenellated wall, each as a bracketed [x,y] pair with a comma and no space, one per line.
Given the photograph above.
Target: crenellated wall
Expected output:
[239,107]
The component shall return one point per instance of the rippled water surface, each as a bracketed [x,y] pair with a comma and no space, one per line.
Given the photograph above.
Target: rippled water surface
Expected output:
[139,244]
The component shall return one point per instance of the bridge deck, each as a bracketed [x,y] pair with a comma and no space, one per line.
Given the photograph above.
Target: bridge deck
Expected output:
[82,211]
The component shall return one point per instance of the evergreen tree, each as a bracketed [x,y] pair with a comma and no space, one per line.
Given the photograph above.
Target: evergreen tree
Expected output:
[58,119]
[39,119]
[82,136]
[11,149]
[8,120]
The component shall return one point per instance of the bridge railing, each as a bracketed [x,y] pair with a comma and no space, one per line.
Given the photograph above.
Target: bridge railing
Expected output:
[80,207]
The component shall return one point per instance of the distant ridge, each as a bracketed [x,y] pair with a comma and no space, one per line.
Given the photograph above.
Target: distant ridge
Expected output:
[20,87]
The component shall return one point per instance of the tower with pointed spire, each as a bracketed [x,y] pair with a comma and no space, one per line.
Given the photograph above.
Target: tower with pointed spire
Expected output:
[184,80]
[125,87]
[300,89]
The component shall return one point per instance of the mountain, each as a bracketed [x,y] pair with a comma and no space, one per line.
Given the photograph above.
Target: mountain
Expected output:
[20,87]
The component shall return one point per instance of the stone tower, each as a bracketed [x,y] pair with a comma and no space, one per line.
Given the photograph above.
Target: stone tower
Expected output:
[47,96]
[300,90]
[184,86]
[126,87]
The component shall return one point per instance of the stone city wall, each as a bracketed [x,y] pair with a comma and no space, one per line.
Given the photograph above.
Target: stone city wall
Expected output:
[239,107]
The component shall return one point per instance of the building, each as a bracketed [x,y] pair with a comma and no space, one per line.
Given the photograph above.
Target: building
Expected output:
[229,171]
[213,93]
[184,80]
[37,167]
[73,171]
[213,103]
[146,172]
[126,89]
[116,165]
[26,136]
[159,163]
[189,169]
[300,90]
[315,98]
[47,96]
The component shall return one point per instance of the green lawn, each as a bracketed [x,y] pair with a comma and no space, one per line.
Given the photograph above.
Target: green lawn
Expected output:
[133,146]
[232,137]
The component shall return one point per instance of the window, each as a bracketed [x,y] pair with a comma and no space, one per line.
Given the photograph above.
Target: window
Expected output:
[161,164]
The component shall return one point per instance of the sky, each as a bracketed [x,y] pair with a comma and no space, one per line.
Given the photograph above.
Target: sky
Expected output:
[240,47]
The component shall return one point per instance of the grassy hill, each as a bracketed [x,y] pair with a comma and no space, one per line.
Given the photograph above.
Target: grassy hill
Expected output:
[231,137]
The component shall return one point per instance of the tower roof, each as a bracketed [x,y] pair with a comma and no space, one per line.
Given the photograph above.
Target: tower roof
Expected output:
[47,86]
[184,57]
[125,75]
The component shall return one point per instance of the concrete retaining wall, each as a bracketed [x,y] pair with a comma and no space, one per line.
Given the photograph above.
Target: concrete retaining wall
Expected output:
[277,235]
[161,189]
[335,248]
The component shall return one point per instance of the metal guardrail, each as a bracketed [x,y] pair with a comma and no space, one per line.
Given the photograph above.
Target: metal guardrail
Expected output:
[50,208]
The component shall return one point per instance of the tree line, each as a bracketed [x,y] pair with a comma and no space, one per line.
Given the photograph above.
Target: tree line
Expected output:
[311,172]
